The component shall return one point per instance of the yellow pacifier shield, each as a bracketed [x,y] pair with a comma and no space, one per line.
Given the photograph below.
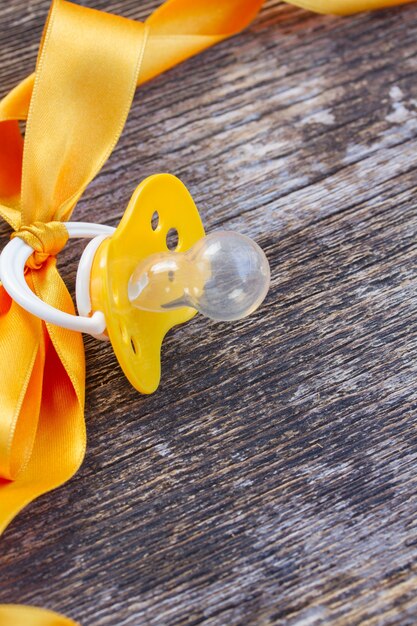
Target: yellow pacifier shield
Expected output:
[137,335]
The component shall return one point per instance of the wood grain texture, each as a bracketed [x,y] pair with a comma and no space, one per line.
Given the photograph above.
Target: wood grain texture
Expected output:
[272,477]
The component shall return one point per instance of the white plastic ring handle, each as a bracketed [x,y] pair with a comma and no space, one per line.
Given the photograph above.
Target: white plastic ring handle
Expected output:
[12,265]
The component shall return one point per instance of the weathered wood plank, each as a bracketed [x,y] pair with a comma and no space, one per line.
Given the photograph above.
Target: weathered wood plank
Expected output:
[272,477]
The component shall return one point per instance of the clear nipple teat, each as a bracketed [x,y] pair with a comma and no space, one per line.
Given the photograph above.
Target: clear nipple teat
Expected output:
[225,276]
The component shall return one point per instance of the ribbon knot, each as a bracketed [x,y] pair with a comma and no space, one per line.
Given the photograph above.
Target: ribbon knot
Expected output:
[46,239]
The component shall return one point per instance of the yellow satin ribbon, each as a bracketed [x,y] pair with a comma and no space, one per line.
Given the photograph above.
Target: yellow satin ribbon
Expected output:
[76,105]
[81,96]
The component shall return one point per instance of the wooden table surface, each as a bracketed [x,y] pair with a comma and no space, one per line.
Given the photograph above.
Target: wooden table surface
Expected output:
[272,479]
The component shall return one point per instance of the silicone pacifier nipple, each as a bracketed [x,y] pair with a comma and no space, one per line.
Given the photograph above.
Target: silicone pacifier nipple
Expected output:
[225,276]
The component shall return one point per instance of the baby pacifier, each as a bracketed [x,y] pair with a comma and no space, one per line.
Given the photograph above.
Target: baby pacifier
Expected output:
[133,284]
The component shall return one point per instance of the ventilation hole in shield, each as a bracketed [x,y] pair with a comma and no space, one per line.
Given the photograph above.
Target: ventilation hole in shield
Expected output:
[155,220]
[172,239]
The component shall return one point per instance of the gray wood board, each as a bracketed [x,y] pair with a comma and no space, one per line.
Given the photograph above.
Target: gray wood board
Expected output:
[272,477]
